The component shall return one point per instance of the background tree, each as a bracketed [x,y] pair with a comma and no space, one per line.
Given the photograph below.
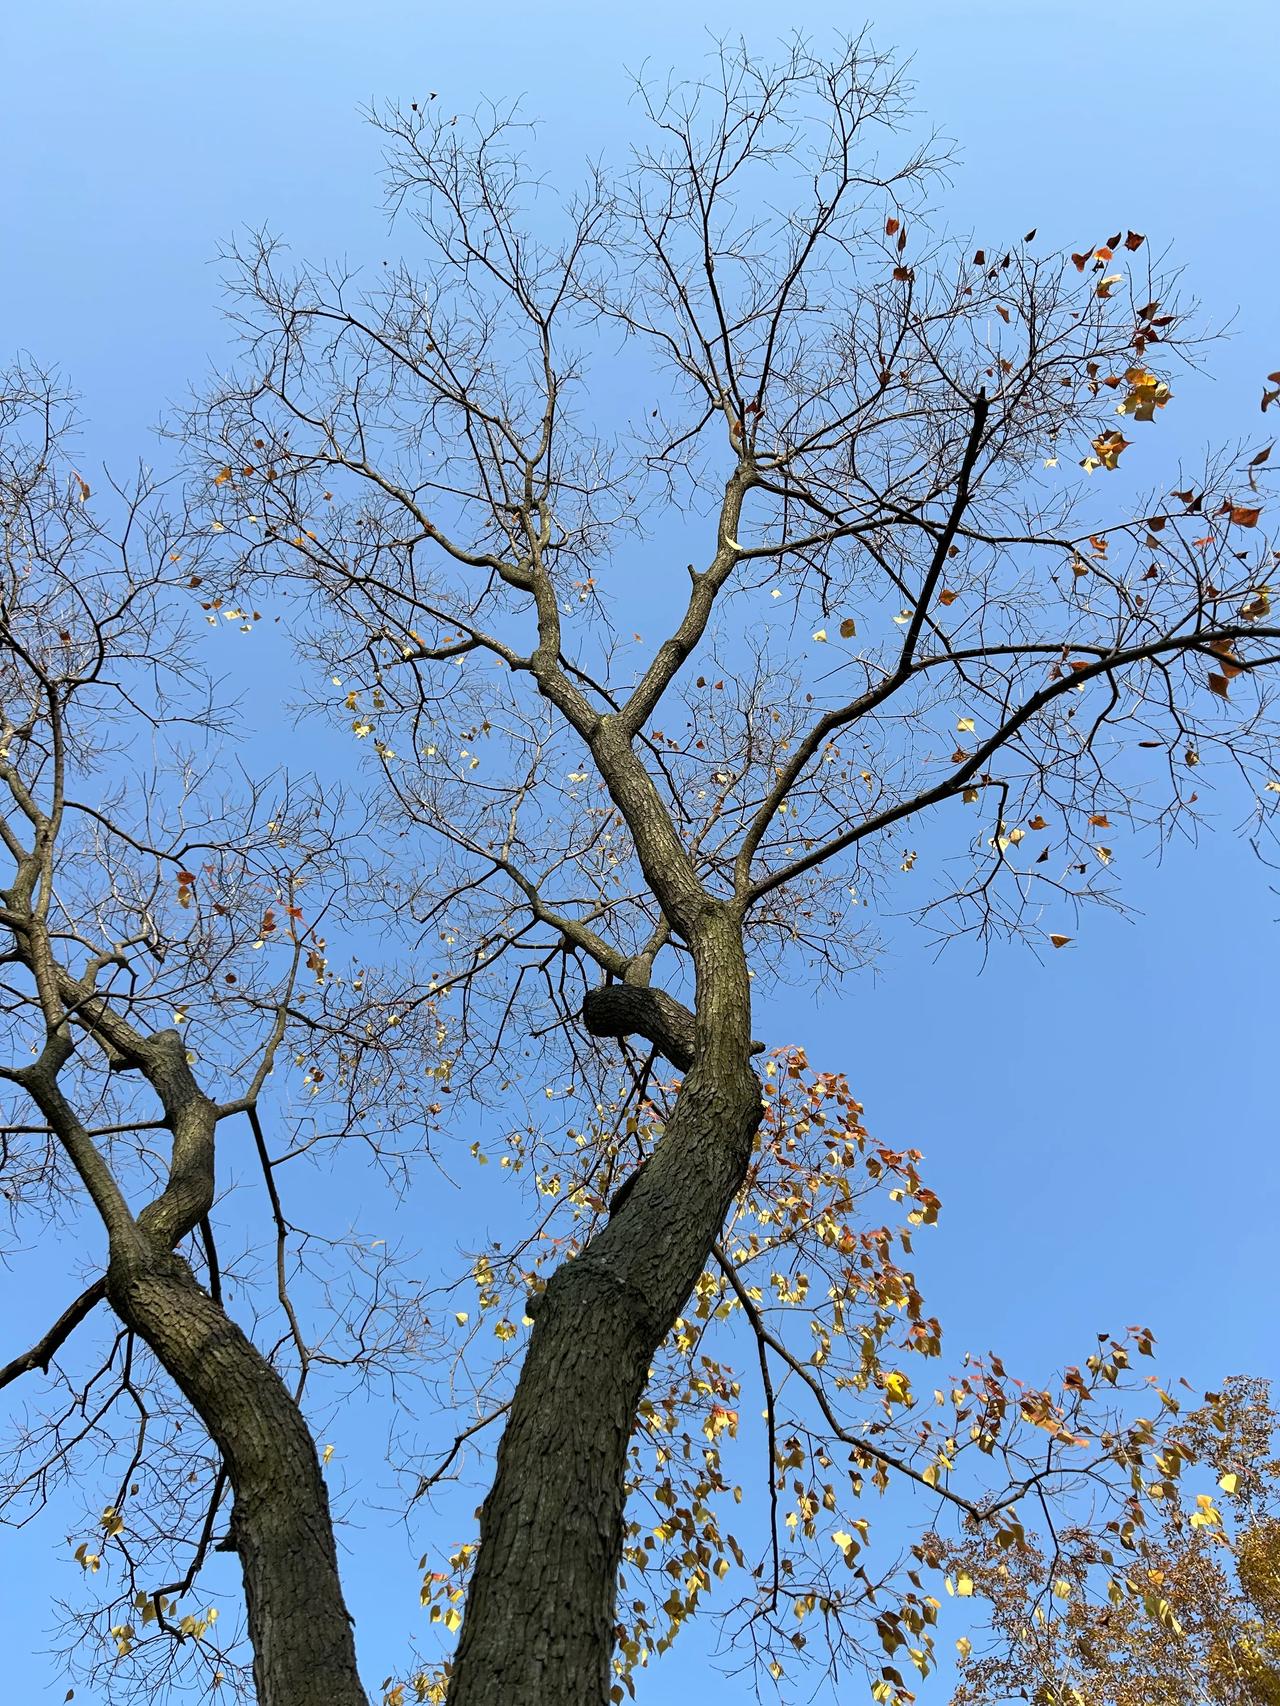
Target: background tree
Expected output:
[868,428]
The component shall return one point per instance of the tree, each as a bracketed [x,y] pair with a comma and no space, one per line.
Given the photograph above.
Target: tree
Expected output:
[746,339]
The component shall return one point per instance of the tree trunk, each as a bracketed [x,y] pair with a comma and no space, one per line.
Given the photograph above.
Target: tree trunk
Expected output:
[539,1624]
[303,1645]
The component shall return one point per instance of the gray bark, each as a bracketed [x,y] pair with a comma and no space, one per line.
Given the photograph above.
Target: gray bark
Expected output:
[539,1624]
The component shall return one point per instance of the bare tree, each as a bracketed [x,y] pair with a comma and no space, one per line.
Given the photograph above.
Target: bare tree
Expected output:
[137,906]
[905,627]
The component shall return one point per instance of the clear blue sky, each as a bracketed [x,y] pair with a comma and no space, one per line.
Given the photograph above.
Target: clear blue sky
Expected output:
[1102,1127]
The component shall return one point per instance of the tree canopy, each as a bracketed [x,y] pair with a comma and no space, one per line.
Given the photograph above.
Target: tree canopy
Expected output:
[923,657]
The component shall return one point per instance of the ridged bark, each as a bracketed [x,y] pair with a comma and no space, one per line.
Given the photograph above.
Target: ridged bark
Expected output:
[303,1645]
[539,1624]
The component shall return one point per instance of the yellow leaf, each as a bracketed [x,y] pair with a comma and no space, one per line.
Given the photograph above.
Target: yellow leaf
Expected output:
[1108,447]
[326,1454]
[964,1586]
[1229,1481]
[969,796]
[964,1646]
[221,478]
[964,725]
[898,1387]
[1146,394]
[820,633]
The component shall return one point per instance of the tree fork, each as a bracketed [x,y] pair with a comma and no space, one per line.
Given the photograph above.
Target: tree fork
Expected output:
[540,1616]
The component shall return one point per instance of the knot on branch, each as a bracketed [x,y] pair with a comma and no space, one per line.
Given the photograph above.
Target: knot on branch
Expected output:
[632,1010]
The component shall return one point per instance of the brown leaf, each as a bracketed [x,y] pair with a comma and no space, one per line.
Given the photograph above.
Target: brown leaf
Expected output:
[1030,236]
[1218,685]
[848,628]
[1242,515]
[1134,240]
[903,275]
[946,597]
[1099,820]
[979,257]
[1059,941]
[1038,822]
[891,227]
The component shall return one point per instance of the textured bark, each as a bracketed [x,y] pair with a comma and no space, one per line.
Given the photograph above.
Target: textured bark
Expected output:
[539,1623]
[626,1010]
[281,1526]
[303,1646]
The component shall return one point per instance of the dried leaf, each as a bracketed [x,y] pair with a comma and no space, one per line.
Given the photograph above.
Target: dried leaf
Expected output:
[1241,515]
[1108,447]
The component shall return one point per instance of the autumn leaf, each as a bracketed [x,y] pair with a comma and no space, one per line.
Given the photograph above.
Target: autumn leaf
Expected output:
[1059,941]
[1218,684]
[1108,447]
[848,628]
[945,597]
[1241,515]
[1146,394]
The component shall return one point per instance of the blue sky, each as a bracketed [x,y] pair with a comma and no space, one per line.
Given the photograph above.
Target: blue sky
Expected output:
[1101,1126]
